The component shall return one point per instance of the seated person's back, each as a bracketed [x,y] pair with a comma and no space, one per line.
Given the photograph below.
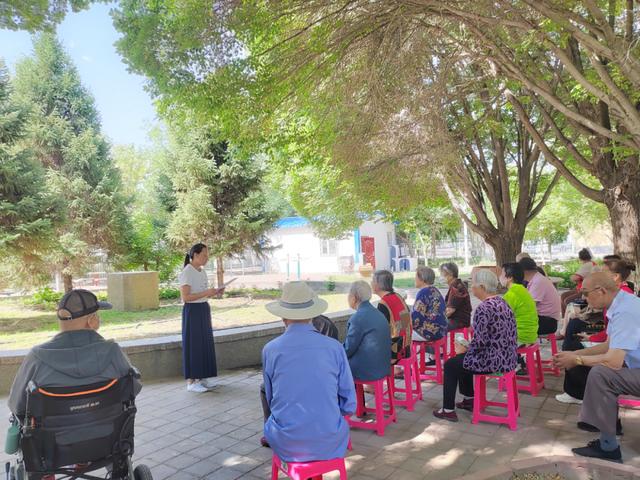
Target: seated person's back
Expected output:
[76,356]
[308,384]
[368,342]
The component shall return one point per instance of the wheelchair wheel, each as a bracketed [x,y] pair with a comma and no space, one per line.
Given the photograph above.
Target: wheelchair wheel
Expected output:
[142,472]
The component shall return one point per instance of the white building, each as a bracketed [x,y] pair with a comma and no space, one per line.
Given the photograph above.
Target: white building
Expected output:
[299,249]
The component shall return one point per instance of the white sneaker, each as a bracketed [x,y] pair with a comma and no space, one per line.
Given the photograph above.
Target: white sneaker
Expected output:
[566,398]
[196,387]
[210,383]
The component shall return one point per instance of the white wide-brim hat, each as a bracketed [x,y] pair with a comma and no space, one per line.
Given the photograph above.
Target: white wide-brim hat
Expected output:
[298,302]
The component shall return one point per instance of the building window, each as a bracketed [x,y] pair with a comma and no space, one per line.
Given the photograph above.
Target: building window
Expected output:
[328,247]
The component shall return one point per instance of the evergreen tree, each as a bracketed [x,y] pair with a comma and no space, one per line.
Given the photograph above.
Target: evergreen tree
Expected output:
[64,133]
[28,211]
[220,198]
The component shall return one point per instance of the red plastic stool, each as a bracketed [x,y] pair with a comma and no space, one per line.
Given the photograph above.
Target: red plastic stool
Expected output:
[433,373]
[480,402]
[533,382]
[383,416]
[629,402]
[304,471]
[451,335]
[547,365]
[412,389]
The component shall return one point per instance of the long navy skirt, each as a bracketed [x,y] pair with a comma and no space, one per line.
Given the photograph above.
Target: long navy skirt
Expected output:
[198,352]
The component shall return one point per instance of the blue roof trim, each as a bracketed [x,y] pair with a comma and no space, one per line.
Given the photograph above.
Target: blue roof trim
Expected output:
[292,222]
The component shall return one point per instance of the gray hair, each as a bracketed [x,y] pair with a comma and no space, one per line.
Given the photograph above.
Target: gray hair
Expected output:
[487,279]
[522,255]
[426,274]
[384,280]
[450,268]
[360,291]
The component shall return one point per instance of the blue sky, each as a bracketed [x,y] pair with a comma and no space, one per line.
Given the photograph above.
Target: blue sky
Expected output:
[126,109]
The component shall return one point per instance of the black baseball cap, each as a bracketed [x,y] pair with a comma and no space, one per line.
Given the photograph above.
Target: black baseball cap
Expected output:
[78,303]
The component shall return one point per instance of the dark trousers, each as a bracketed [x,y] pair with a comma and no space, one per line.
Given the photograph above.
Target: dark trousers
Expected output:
[266,411]
[547,325]
[455,375]
[575,379]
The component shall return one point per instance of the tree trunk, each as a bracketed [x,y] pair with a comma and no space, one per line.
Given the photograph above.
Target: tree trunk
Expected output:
[624,211]
[68,282]
[220,271]
[549,244]
[67,277]
[433,249]
[506,246]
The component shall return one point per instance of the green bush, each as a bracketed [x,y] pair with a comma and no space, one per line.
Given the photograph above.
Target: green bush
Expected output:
[563,270]
[330,285]
[45,298]
[169,293]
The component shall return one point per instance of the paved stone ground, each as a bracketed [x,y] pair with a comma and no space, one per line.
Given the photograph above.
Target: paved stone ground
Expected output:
[215,435]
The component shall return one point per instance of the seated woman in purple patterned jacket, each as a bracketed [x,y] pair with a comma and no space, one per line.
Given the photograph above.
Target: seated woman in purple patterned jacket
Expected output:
[492,348]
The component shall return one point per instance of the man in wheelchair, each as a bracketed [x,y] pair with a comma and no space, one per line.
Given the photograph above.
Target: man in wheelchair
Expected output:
[73,401]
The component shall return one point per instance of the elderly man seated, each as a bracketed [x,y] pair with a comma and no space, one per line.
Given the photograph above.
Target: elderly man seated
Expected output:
[308,384]
[615,364]
[368,342]
[76,356]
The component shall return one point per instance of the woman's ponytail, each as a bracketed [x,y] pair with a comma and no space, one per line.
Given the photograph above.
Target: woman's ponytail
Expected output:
[197,248]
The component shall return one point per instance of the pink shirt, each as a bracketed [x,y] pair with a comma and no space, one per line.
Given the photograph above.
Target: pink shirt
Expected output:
[546,296]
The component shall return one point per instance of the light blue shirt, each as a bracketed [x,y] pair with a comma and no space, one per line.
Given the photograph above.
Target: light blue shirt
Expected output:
[309,388]
[624,326]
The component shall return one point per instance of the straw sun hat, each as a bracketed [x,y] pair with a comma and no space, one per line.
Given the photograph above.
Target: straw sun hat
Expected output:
[298,302]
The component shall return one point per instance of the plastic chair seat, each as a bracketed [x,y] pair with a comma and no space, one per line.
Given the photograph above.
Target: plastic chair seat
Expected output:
[432,373]
[384,416]
[480,402]
[304,471]
[629,402]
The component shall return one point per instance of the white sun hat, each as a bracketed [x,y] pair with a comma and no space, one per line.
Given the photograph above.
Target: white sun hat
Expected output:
[298,302]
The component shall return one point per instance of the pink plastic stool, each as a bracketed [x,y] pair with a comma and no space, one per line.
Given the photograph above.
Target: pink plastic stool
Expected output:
[304,471]
[433,373]
[480,402]
[547,365]
[533,382]
[451,335]
[412,389]
[383,416]
[629,402]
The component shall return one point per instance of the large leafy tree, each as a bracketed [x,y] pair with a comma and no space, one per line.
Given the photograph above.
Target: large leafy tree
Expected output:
[219,196]
[29,212]
[147,188]
[35,15]
[570,69]
[63,132]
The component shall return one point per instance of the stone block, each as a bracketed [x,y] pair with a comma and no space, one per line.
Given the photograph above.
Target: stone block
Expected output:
[132,291]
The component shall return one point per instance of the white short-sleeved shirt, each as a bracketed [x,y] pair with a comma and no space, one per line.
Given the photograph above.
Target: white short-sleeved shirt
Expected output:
[196,279]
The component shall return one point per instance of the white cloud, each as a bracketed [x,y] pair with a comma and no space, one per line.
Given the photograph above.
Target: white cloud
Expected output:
[87,58]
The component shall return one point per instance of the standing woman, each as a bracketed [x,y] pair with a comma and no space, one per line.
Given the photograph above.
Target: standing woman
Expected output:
[198,353]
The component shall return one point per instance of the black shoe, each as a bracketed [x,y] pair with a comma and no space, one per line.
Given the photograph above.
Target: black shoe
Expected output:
[594,450]
[430,363]
[466,404]
[449,416]
[587,427]
[522,372]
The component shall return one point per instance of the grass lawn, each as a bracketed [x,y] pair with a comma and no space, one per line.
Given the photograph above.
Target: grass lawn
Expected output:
[23,327]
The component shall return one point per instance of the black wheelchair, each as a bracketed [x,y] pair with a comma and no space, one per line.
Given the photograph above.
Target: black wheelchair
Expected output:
[70,433]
